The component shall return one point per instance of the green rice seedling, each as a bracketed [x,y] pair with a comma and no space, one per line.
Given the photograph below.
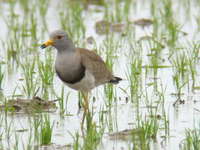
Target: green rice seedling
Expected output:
[11,8]
[156,114]
[73,12]
[76,144]
[156,47]
[166,123]
[117,16]
[110,47]
[22,29]
[2,96]
[108,116]
[165,24]
[174,30]
[33,27]
[127,8]
[109,92]
[134,77]
[40,131]
[181,72]
[43,8]
[16,146]
[193,71]
[155,17]
[155,56]
[1,136]
[12,21]
[191,141]
[36,122]
[25,5]
[108,16]
[1,76]
[109,120]
[171,24]
[1,129]
[119,12]
[30,87]
[46,129]
[195,50]
[161,96]
[102,117]
[13,47]
[7,128]
[180,64]
[30,143]
[179,85]
[29,32]
[92,138]
[46,74]
[17,36]
[148,130]
[198,22]
[63,100]
[168,11]
[193,56]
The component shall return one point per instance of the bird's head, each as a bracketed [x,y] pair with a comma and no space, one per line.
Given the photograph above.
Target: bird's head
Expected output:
[59,40]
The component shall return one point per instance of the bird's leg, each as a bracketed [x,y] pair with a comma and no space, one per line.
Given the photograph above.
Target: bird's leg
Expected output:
[86,103]
[79,103]
[82,123]
[85,108]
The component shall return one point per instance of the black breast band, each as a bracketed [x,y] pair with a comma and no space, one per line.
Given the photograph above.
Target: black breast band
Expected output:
[76,79]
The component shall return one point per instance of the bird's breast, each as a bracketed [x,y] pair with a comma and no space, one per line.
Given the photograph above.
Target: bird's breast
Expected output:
[69,68]
[86,84]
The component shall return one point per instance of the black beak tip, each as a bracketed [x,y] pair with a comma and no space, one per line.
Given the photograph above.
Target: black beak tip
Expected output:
[43,46]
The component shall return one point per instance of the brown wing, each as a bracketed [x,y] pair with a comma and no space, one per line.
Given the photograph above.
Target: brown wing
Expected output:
[94,63]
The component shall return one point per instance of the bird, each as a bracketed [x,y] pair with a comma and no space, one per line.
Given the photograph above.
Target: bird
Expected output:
[79,68]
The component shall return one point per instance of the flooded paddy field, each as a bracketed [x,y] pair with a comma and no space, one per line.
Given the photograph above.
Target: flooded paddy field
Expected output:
[152,45]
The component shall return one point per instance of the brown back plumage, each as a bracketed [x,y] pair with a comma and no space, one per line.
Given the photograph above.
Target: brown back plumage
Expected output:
[95,64]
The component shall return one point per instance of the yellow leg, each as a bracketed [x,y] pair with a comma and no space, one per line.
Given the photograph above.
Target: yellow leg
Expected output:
[85,108]
[86,103]
[82,123]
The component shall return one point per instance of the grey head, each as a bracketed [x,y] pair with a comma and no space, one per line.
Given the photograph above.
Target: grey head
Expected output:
[60,40]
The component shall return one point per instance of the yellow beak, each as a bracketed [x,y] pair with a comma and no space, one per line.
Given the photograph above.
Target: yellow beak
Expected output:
[47,43]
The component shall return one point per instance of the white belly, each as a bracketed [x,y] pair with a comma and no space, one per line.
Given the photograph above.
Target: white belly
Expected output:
[86,84]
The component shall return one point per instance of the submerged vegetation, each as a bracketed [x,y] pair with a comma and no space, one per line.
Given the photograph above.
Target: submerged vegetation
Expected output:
[153,45]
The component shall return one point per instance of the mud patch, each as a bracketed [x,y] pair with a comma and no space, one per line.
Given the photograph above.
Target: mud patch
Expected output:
[105,27]
[124,135]
[36,104]
[143,22]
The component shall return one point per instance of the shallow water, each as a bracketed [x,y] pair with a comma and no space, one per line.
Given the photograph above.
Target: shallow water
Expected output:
[123,113]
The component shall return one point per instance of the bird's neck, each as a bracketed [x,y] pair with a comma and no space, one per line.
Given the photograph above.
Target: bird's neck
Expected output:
[68,56]
[68,65]
[67,46]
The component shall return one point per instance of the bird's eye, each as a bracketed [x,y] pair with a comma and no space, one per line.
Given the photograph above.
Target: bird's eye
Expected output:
[59,37]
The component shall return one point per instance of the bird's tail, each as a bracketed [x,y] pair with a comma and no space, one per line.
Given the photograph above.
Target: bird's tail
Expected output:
[115,80]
